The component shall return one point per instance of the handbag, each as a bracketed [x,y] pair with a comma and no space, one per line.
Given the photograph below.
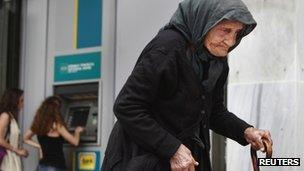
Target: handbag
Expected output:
[2,154]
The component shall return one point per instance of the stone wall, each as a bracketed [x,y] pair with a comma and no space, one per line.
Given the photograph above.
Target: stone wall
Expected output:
[265,84]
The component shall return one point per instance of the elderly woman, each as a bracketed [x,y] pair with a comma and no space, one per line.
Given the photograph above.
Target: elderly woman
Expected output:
[175,92]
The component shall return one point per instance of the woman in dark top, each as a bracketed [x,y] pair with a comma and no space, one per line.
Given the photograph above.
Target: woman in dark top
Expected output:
[51,132]
[174,94]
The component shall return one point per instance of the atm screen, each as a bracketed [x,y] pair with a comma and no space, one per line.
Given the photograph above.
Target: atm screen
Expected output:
[78,116]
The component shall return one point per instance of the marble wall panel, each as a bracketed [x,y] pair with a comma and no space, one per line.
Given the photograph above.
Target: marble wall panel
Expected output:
[300,121]
[268,53]
[271,106]
[33,68]
[300,39]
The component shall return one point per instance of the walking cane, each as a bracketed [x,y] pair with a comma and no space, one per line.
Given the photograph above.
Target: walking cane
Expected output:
[254,159]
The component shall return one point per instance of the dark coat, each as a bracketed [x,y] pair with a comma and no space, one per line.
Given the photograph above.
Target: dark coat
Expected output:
[164,104]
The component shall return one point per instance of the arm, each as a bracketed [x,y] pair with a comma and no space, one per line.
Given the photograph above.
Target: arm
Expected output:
[221,120]
[28,139]
[229,125]
[4,123]
[72,139]
[132,106]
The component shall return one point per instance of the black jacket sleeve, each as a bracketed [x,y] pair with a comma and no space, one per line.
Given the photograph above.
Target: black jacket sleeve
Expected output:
[133,104]
[221,120]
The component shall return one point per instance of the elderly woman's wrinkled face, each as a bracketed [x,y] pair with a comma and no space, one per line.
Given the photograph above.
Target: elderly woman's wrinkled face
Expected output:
[222,36]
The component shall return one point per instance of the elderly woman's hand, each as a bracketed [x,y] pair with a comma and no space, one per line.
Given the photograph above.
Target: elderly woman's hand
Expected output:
[254,137]
[182,160]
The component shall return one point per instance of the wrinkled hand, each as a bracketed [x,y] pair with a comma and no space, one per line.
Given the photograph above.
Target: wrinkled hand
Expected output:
[182,160]
[254,137]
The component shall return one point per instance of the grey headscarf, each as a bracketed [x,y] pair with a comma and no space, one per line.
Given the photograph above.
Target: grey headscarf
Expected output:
[194,18]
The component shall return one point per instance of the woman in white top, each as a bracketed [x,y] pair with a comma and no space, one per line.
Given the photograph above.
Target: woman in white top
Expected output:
[10,105]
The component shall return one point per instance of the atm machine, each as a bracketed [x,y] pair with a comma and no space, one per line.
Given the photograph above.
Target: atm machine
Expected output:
[80,108]
[80,69]
[84,115]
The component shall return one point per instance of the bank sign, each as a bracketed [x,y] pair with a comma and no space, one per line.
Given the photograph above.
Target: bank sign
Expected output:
[77,67]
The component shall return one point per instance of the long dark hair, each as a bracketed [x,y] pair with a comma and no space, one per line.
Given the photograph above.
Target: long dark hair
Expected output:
[47,114]
[10,101]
